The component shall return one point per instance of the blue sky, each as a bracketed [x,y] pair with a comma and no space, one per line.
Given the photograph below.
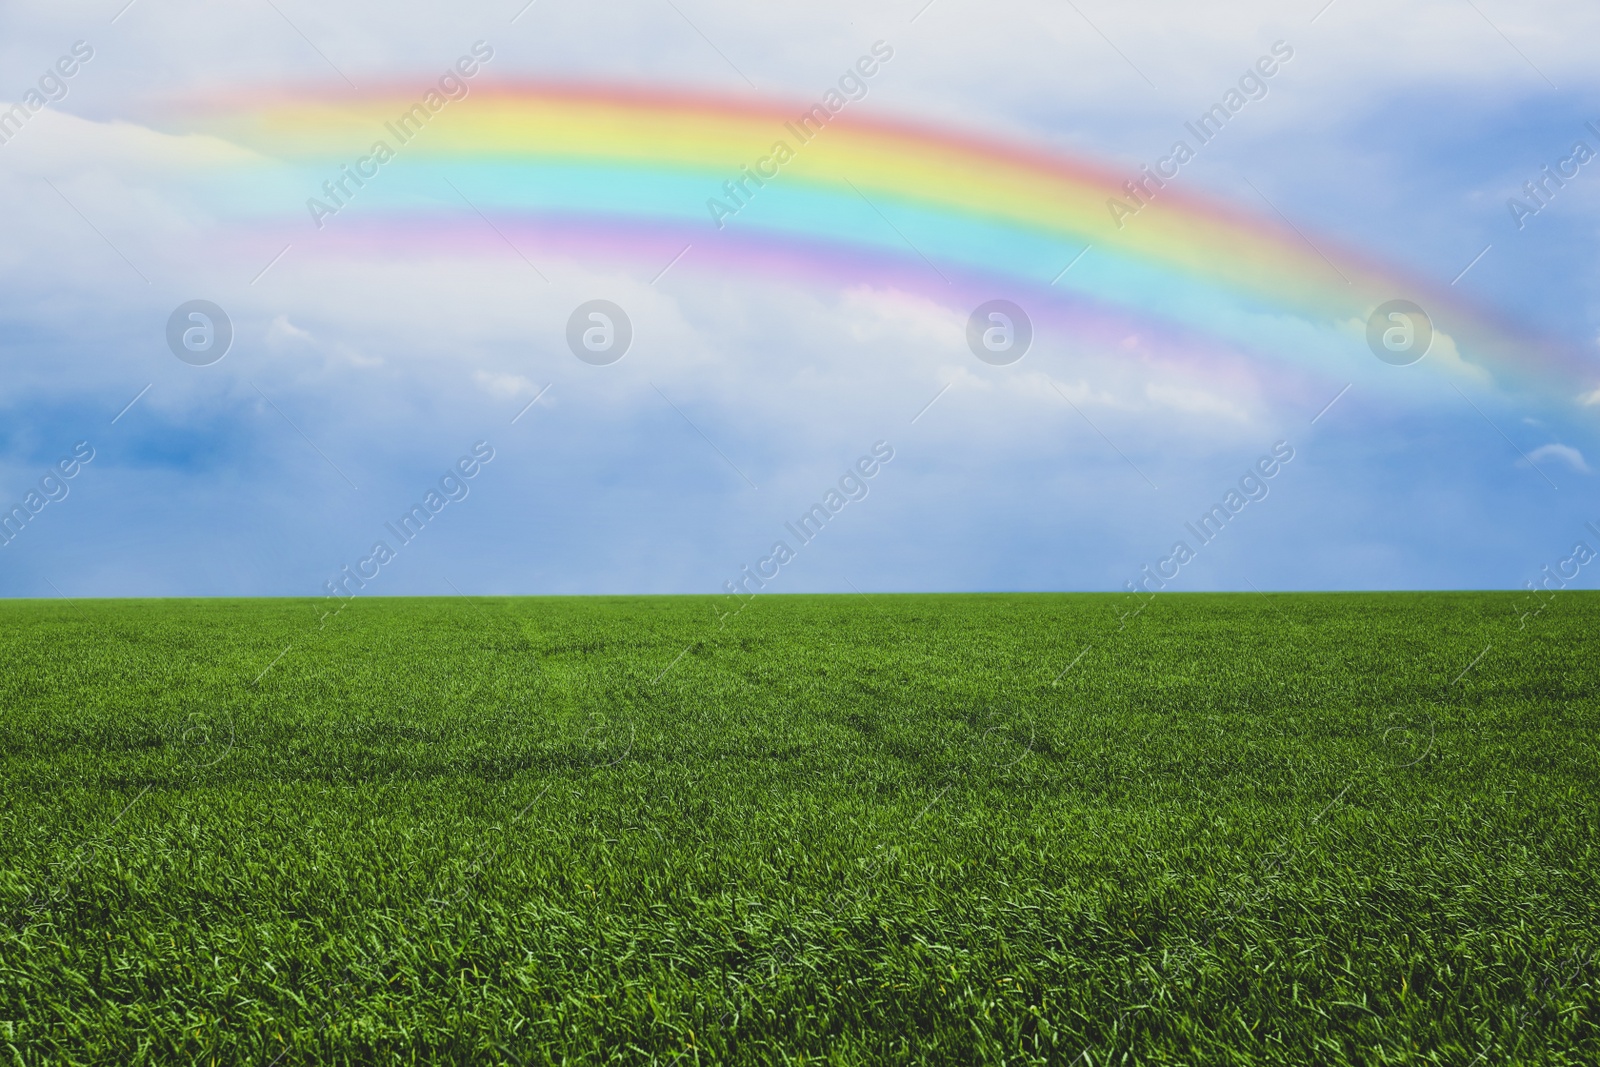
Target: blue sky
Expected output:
[351,388]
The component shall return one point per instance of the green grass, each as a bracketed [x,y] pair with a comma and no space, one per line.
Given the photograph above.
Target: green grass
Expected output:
[1236,829]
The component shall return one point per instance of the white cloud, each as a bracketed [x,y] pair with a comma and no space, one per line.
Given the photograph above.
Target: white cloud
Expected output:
[1195,401]
[509,386]
[873,313]
[281,330]
[1443,352]
[1081,392]
[1565,453]
[283,335]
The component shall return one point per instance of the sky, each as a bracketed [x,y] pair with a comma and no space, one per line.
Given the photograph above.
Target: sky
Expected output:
[385,340]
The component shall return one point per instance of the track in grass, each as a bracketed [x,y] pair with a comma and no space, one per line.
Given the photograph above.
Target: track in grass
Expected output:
[1041,828]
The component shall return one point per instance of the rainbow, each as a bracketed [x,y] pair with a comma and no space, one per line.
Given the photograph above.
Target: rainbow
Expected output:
[643,174]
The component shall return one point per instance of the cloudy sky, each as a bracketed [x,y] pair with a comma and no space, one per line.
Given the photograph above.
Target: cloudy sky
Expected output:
[354,383]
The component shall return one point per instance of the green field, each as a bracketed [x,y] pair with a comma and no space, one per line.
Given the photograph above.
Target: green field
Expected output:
[888,829]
